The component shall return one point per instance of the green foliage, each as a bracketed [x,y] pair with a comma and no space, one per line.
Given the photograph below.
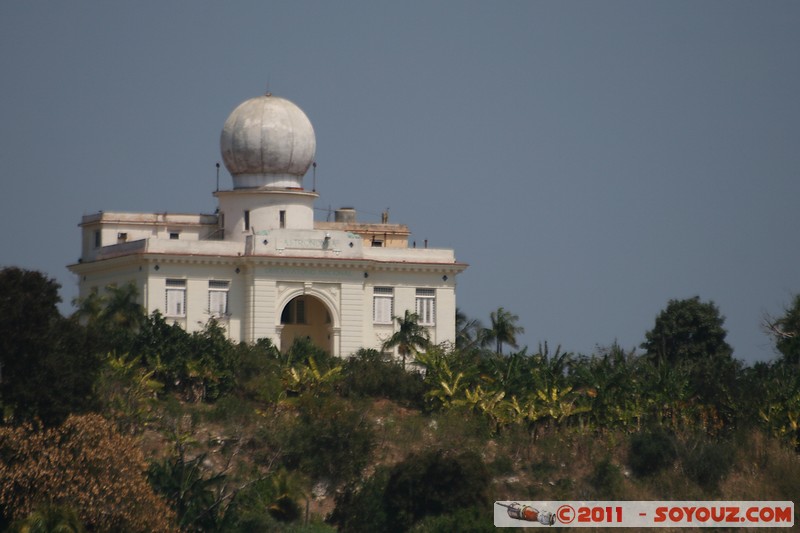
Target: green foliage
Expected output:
[369,373]
[687,330]
[503,330]
[49,518]
[310,378]
[614,387]
[464,520]
[127,392]
[112,317]
[360,506]
[708,462]
[48,364]
[302,350]
[689,336]
[607,480]
[651,452]
[468,332]
[433,483]
[189,490]
[202,366]
[773,392]
[257,372]
[786,333]
[410,337]
[331,440]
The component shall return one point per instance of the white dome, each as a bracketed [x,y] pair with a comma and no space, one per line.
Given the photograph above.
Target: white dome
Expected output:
[267,142]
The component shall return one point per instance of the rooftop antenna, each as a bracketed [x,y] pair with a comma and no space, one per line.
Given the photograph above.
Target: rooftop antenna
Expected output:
[314,175]
[217,176]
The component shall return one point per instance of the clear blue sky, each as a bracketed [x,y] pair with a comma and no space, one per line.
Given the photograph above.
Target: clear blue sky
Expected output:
[589,160]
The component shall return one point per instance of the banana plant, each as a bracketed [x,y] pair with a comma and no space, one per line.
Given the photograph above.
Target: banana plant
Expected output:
[303,378]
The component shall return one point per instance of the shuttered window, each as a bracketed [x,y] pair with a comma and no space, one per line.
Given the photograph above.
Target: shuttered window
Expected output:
[426,306]
[176,297]
[382,305]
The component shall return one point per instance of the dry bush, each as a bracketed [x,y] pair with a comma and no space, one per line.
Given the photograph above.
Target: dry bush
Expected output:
[85,464]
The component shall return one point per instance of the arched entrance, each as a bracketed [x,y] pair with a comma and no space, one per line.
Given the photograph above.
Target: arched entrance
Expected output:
[306,316]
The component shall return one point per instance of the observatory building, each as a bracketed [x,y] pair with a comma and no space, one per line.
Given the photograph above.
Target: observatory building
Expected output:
[261,266]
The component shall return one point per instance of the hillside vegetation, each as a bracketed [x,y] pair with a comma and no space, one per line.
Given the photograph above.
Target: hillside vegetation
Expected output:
[117,421]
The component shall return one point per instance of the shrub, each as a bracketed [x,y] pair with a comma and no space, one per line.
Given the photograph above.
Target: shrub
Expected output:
[708,463]
[331,439]
[372,374]
[502,465]
[360,507]
[48,517]
[465,520]
[433,483]
[651,452]
[607,480]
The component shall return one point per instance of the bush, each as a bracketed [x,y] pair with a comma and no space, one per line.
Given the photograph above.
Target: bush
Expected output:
[369,373]
[466,520]
[331,439]
[264,503]
[607,480]
[708,463]
[434,483]
[651,452]
[360,507]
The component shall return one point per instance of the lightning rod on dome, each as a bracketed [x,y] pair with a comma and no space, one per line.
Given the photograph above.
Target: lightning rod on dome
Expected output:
[314,176]
[217,176]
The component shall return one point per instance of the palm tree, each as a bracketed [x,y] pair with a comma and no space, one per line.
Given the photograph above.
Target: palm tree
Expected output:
[503,330]
[410,336]
[468,331]
[122,308]
[89,308]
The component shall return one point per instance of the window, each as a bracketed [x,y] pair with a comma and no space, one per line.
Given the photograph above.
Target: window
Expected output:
[282,218]
[122,237]
[377,243]
[294,312]
[382,305]
[176,297]
[218,298]
[97,240]
[247,220]
[426,306]
[174,235]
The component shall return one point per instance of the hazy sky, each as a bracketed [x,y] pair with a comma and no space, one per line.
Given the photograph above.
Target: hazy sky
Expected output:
[589,160]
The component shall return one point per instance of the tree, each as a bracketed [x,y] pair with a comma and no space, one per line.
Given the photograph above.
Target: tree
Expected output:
[689,337]
[432,483]
[468,331]
[786,332]
[83,464]
[330,440]
[410,336]
[48,364]
[687,330]
[113,317]
[504,329]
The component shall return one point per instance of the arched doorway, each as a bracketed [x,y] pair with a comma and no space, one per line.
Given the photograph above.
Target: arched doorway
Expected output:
[306,316]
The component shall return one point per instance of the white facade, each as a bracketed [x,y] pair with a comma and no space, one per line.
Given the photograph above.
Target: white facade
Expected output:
[261,266]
